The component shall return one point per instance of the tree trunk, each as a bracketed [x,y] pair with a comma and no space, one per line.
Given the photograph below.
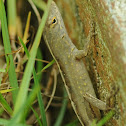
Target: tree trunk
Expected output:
[106,59]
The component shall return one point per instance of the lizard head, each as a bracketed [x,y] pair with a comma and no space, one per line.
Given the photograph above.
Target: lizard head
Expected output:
[54,24]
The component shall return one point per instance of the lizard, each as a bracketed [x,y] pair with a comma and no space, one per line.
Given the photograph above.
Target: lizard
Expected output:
[72,69]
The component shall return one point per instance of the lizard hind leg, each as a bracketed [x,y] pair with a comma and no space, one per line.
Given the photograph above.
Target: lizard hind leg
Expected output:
[96,102]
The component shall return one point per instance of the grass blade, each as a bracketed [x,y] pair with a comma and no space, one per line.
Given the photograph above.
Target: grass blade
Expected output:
[62,111]
[11,12]
[39,65]
[37,116]
[22,95]
[40,101]
[48,65]
[5,105]
[106,118]
[74,123]
[7,47]
[7,90]
[5,122]
[20,113]
[40,4]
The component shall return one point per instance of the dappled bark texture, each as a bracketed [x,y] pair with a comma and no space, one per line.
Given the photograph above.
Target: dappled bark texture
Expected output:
[106,59]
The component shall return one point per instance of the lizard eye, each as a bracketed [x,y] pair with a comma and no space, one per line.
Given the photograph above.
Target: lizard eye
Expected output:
[53,22]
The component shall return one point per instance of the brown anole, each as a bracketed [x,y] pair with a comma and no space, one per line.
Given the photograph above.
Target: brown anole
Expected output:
[72,69]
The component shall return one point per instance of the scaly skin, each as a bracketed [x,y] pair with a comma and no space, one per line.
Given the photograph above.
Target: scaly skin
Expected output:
[73,71]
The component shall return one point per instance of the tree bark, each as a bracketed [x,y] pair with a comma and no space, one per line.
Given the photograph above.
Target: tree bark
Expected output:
[106,59]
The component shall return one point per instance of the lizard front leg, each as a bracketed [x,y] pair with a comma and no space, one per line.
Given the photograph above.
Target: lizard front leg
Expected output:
[82,53]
